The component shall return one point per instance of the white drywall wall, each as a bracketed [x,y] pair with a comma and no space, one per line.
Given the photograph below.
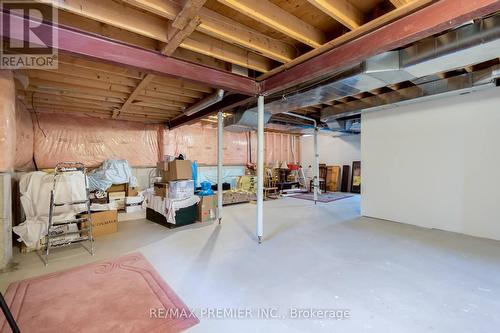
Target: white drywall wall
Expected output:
[332,150]
[435,164]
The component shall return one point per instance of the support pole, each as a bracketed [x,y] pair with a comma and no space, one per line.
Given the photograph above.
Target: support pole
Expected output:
[219,166]
[260,166]
[316,153]
[316,165]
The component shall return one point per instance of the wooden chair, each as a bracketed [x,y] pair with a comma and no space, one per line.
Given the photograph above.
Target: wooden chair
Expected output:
[322,179]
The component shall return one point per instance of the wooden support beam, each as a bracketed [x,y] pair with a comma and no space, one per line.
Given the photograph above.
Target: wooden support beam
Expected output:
[140,87]
[151,26]
[275,17]
[188,12]
[341,10]
[224,28]
[350,36]
[400,3]
[210,46]
[177,31]
[176,36]
[102,49]
[433,19]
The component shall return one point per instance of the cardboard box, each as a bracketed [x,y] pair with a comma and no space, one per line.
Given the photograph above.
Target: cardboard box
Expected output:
[117,188]
[103,223]
[132,191]
[118,198]
[207,208]
[175,170]
[161,189]
[180,189]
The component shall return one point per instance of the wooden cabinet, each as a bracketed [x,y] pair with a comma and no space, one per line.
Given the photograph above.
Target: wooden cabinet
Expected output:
[332,178]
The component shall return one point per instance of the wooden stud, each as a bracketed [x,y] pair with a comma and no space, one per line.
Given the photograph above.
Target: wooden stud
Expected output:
[341,10]
[275,17]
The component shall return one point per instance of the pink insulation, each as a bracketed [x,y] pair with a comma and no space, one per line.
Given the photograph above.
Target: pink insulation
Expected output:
[92,140]
[24,138]
[199,142]
[7,121]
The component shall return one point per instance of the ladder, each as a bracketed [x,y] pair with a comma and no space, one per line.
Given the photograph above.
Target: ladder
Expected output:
[72,231]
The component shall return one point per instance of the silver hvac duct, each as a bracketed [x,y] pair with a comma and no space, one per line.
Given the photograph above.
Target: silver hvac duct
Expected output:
[244,121]
[419,63]
[454,86]
[205,103]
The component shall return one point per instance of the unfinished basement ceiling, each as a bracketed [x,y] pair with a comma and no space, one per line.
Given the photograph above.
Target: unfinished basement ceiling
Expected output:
[258,36]
[102,90]
[261,37]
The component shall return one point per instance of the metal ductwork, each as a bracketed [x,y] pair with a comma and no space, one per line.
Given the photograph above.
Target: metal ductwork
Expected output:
[419,63]
[352,126]
[454,86]
[205,103]
[244,120]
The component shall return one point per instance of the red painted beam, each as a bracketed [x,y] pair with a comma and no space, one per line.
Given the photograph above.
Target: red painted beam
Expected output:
[431,20]
[96,47]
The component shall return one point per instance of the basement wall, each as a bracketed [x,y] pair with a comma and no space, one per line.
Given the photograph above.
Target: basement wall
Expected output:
[199,142]
[332,150]
[435,164]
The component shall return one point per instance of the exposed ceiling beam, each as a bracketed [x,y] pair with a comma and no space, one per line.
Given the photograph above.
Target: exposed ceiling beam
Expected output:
[275,17]
[433,19]
[351,35]
[140,87]
[133,20]
[177,36]
[188,12]
[400,3]
[341,10]
[86,45]
[177,31]
[219,26]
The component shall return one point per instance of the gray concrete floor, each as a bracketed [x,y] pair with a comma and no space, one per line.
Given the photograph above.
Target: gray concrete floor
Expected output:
[391,277]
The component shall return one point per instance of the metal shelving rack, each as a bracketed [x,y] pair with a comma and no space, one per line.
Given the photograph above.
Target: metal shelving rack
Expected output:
[55,229]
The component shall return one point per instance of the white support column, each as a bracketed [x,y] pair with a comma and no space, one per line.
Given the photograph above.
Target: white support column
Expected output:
[316,165]
[219,166]
[260,166]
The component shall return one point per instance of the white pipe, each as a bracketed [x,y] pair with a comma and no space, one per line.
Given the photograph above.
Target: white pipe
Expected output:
[316,165]
[316,153]
[260,166]
[219,166]
[205,103]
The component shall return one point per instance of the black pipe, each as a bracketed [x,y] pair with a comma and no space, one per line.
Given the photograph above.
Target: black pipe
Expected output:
[8,315]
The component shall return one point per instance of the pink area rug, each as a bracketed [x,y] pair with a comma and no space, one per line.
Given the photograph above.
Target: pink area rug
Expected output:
[125,294]
[323,197]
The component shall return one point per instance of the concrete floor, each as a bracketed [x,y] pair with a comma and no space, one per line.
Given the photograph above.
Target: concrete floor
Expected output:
[391,277]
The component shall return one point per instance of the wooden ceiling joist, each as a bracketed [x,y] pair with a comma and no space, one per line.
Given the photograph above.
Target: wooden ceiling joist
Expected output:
[80,96]
[341,10]
[101,67]
[188,12]
[275,17]
[222,27]
[128,18]
[400,3]
[140,87]
[433,19]
[177,31]
[48,85]
[64,78]
[93,75]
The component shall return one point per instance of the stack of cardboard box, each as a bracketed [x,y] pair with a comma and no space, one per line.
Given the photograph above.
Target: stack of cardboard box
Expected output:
[176,180]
